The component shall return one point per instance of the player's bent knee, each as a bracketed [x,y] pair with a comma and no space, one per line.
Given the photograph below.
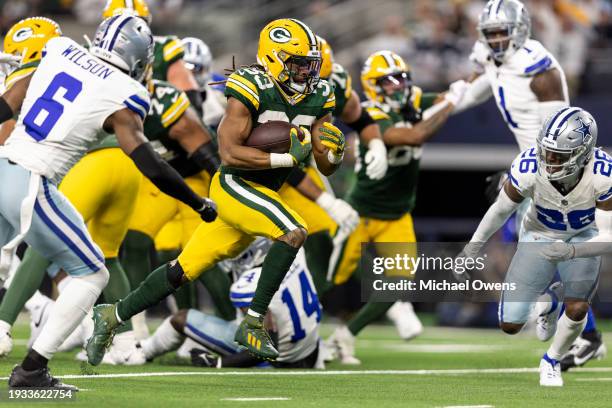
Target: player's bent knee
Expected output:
[576,310]
[295,238]
[179,320]
[511,328]
[175,274]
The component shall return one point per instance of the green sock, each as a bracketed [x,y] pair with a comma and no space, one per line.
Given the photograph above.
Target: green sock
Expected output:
[275,267]
[218,285]
[136,256]
[370,312]
[166,256]
[185,296]
[118,287]
[150,292]
[319,247]
[26,282]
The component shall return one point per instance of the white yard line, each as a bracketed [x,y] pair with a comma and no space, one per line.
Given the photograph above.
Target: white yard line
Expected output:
[597,379]
[272,373]
[249,399]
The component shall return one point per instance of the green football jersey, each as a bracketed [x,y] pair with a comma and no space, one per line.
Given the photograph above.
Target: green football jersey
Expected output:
[342,83]
[168,49]
[395,194]
[261,95]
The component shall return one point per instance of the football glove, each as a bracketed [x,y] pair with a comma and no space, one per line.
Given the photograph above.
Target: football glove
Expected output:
[495,182]
[202,358]
[208,211]
[460,272]
[340,211]
[10,59]
[376,159]
[332,138]
[558,251]
[300,150]
[456,91]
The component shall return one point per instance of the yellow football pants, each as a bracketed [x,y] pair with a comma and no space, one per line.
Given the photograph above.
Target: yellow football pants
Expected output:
[316,218]
[103,187]
[246,210]
[371,230]
[154,209]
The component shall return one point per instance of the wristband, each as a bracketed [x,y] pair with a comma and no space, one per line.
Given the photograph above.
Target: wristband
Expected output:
[281,160]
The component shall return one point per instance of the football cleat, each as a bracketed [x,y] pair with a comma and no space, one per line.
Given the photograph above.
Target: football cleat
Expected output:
[252,335]
[6,343]
[405,320]
[550,372]
[203,358]
[583,350]
[105,324]
[548,311]
[343,341]
[40,378]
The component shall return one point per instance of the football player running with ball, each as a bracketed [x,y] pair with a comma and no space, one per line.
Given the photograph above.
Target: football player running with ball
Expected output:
[284,86]
[566,178]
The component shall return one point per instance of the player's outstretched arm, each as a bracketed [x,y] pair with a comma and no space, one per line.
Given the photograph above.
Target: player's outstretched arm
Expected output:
[478,92]
[128,128]
[422,131]
[327,145]
[191,134]
[234,129]
[11,100]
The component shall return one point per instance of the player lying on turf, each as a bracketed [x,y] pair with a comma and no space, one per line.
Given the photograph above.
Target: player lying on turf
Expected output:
[285,87]
[293,319]
[99,90]
[528,85]
[566,178]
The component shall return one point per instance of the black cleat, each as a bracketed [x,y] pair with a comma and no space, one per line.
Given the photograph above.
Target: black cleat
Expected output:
[202,358]
[40,378]
[585,348]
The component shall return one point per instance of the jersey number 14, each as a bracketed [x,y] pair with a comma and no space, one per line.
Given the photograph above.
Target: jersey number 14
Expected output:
[310,303]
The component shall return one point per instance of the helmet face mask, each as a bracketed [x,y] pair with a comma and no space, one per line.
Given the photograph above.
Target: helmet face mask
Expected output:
[386,78]
[302,73]
[395,88]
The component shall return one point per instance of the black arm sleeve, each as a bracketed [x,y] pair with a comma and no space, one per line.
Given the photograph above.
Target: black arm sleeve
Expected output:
[296,176]
[363,122]
[163,176]
[6,112]
[206,157]
[195,97]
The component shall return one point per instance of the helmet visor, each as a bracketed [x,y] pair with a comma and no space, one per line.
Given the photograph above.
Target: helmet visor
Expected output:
[395,87]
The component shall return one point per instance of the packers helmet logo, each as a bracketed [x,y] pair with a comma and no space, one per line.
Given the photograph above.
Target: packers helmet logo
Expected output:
[280,35]
[22,34]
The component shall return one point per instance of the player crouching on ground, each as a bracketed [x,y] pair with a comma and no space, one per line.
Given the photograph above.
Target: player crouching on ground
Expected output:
[566,179]
[293,319]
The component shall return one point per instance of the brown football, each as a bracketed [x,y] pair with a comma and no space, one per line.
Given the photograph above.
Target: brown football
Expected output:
[272,136]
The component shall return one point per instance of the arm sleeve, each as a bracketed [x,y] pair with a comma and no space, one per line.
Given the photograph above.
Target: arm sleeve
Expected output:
[206,157]
[163,176]
[478,92]
[296,176]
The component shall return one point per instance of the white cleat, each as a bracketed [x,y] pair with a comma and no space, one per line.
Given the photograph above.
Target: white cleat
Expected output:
[124,351]
[548,309]
[405,320]
[6,343]
[550,372]
[343,341]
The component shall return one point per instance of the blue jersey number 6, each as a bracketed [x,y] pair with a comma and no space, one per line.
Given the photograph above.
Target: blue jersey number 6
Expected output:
[48,110]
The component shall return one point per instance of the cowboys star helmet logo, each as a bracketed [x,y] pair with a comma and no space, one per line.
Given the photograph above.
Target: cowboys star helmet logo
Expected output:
[23,34]
[280,35]
[584,129]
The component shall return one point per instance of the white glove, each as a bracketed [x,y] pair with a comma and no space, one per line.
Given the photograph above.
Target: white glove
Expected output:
[10,59]
[471,250]
[339,210]
[376,159]
[558,251]
[456,91]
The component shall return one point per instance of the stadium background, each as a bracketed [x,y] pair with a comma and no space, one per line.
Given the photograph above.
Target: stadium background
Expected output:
[435,37]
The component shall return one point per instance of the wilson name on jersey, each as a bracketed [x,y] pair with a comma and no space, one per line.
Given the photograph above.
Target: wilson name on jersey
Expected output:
[297,312]
[511,86]
[394,195]
[260,94]
[70,95]
[551,213]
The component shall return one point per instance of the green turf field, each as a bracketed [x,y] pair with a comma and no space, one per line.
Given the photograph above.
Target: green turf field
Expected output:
[444,367]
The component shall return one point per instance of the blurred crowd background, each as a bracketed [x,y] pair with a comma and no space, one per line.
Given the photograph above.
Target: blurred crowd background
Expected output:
[435,37]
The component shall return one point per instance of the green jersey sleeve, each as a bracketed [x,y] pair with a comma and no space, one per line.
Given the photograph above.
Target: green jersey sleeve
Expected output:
[241,85]
[168,105]
[343,87]
[167,51]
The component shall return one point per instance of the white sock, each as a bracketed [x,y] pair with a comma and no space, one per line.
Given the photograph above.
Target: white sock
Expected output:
[165,339]
[63,283]
[253,313]
[567,331]
[5,327]
[70,308]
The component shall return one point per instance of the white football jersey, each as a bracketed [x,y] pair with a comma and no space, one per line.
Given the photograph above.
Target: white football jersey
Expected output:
[510,84]
[552,214]
[70,95]
[296,312]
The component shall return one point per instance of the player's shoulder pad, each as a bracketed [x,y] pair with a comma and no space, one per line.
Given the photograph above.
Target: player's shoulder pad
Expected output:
[138,99]
[174,101]
[532,59]
[241,84]
[173,48]
[375,110]
[601,166]
[524,170]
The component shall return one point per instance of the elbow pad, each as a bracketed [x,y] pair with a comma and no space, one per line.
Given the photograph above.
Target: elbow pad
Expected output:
[363,122]
[206,157]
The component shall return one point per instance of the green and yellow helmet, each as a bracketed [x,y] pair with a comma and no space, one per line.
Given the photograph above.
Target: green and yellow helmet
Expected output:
[28,37]
[136,7]
[386,78]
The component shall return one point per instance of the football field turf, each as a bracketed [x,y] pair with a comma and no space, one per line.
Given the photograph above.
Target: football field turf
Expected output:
[443,367]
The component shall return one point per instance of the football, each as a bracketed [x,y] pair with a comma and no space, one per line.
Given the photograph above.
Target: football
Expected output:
[272,136]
